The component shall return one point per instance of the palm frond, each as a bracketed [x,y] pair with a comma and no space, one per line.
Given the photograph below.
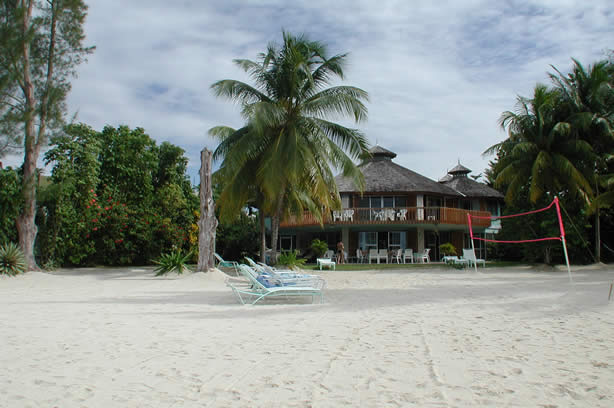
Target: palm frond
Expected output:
[341,100]
[238,91]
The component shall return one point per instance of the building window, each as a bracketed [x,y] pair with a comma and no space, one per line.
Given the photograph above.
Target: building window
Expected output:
[493,207]
[382,201]
[394,240]
[367,240]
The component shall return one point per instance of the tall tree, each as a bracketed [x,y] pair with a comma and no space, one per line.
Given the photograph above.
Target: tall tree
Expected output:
[41,44]
[287,142]
[75,176]
[539,153]
[587,94]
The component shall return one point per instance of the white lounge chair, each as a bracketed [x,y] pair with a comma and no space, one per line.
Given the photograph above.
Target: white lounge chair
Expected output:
[398,255]
[382,254]
[469,255]
[408,253]
[373,255]
[327,262]
[423,257]
[253,287]
[348,215]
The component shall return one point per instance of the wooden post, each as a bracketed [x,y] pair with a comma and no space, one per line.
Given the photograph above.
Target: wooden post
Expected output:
[207,222]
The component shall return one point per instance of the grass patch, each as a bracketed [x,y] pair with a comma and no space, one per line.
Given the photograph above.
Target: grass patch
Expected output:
[415,266]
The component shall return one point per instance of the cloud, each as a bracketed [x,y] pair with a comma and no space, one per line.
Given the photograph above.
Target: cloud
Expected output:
[439,74]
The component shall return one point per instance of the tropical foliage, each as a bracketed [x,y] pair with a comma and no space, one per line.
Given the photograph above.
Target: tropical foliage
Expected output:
[12,261]
[174,261]
[319,247]
[124,204]
[10,204]
[291,259]
[558,144]
[447,249]
[280,160]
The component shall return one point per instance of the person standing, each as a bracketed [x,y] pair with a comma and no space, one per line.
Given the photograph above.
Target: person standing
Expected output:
[340,253]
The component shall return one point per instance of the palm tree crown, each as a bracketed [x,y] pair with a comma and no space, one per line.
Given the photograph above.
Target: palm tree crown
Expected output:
[286,151]
[540,153]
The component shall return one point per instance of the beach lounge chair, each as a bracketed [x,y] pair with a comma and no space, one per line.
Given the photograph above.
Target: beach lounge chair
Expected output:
[469,255]
[382,254]
[423,256]
[326,262]
[226,265]
[373,255]
[408,253]
[286,277]
[398,255]
[252,287]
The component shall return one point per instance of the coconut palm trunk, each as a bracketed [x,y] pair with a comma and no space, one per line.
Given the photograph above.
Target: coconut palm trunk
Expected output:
[262,237]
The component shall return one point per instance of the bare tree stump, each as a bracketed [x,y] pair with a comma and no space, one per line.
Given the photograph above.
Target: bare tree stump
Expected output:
[207,222]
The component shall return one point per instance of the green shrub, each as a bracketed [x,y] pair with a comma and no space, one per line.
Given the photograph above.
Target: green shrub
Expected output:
[12,261]
[447,249]
[319,247]
[290,259]
[174,261]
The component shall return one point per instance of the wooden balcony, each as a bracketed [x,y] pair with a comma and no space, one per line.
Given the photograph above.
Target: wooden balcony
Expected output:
[391,216]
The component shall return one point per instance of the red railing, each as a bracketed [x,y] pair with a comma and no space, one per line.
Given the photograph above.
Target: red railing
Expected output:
[397,215]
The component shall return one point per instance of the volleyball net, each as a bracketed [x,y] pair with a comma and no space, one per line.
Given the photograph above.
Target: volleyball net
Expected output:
[554,204]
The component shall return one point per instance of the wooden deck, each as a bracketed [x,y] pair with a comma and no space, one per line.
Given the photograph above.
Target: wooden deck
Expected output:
[391,216]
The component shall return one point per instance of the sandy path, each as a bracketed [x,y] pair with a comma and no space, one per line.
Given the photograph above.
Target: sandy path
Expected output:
[435,338]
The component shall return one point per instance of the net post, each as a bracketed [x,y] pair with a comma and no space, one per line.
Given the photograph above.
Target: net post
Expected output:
[475,263]
[562,229]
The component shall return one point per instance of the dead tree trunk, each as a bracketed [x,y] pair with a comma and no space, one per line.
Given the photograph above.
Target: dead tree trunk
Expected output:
[207,222]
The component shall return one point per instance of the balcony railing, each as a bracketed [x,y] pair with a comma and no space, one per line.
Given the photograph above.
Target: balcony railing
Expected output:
[387,216]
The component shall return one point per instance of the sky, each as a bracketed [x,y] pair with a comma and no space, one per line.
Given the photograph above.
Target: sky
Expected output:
[439,74]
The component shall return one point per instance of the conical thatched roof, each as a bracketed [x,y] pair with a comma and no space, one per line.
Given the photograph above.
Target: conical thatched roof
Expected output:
[457,179]
[459,169]
[383,175]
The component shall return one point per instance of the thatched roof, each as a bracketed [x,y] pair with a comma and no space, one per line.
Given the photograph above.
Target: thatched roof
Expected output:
[457,179]
[383,175]
[459,169]
[471,188]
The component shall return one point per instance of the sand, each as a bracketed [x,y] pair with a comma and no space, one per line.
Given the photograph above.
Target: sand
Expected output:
[424,338]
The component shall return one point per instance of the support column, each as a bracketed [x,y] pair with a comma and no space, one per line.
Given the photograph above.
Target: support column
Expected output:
[420,239]
[420,207]
[345,238]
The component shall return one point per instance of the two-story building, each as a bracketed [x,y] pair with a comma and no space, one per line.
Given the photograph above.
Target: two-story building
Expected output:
[398,209]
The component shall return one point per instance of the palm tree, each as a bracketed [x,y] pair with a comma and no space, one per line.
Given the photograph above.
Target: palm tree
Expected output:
[588,95]
[286,150]
[540,152]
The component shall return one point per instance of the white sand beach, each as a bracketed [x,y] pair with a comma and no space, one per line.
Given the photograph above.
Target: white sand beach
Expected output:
[425,338]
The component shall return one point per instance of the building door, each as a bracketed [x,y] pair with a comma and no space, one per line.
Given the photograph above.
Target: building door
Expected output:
[287,242]
[382,240]
[432,242]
